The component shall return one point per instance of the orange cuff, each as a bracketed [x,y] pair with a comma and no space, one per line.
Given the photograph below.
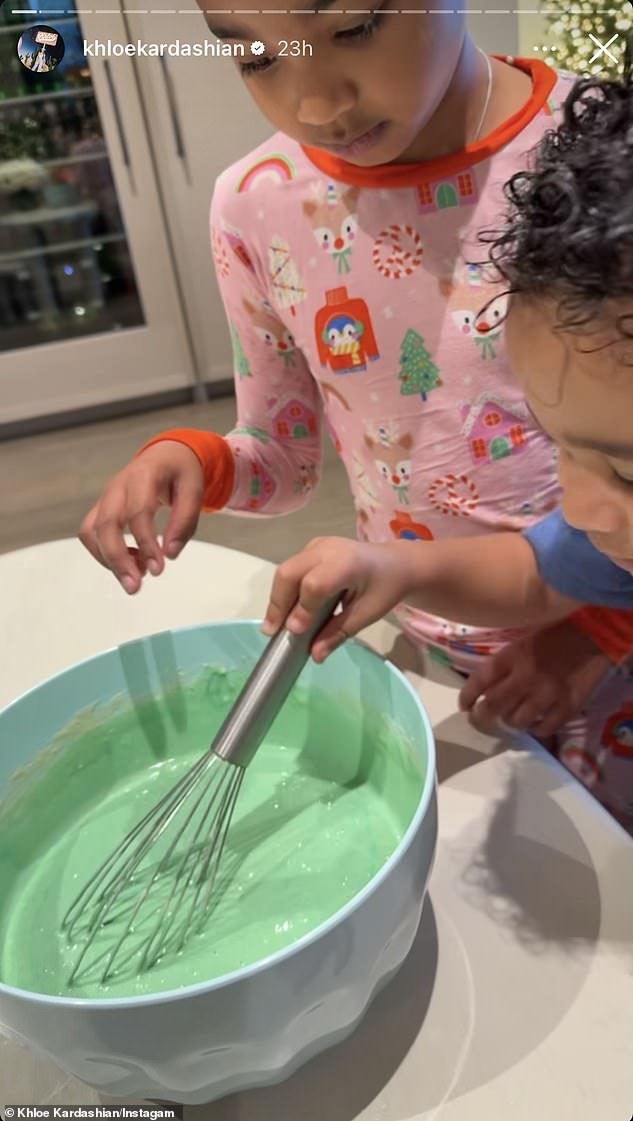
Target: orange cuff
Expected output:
[609,629]
[216,460]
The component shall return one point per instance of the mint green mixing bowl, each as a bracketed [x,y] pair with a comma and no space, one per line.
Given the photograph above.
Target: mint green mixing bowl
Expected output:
[255,1026]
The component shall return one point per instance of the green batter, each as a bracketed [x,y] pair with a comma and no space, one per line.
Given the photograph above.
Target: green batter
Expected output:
[323,805]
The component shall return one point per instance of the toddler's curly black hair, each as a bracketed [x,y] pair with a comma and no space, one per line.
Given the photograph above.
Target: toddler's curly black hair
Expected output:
[569,228]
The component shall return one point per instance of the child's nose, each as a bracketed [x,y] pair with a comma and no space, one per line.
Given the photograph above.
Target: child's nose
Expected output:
[325,104]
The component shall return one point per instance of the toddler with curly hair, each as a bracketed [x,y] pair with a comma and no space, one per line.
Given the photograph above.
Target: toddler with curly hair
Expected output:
[567,254]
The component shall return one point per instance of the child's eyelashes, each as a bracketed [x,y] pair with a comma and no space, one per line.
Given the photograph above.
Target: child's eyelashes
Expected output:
[255,67]
[362,32]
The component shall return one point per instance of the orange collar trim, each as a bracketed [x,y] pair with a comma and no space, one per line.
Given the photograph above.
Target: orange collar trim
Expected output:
[410,174]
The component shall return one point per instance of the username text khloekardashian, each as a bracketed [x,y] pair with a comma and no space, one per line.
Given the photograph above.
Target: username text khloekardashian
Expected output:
[107,49]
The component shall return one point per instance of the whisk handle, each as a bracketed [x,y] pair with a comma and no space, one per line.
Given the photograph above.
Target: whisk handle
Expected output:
[266,690]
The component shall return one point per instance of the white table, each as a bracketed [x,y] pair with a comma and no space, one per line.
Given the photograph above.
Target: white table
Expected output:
[516,1001]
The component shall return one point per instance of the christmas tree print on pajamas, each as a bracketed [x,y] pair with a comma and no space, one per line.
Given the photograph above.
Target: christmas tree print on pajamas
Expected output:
[240,361]
[418,372]
[288,286]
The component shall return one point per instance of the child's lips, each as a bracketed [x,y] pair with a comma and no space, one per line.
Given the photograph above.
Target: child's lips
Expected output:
[362,141]
[345,141]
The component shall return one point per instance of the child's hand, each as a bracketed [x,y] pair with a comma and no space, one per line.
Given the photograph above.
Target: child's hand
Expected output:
[166,474]
[536,683]
[372,577]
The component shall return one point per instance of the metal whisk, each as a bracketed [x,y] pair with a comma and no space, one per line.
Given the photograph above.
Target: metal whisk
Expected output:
[201,803]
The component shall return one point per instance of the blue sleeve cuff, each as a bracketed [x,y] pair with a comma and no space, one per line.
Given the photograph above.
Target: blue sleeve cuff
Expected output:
[569,563]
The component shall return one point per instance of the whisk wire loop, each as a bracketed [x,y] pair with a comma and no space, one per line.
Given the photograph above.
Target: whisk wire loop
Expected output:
[230,777]
[195,863]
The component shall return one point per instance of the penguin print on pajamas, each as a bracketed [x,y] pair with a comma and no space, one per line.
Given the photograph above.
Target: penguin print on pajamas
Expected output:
[344,333]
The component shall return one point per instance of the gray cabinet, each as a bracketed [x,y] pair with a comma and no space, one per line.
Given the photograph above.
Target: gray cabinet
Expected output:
[107,165]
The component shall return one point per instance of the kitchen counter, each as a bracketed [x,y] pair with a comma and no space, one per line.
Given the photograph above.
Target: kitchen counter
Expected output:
[516,1001]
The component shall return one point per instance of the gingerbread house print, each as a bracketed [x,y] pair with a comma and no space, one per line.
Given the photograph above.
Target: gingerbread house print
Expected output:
[494,428]
[453,190]
[294,420]
[262,487]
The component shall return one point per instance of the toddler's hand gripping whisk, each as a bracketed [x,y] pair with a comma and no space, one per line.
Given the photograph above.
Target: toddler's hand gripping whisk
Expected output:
[202,802]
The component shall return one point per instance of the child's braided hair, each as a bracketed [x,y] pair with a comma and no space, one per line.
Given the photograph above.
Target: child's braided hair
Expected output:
[569,228]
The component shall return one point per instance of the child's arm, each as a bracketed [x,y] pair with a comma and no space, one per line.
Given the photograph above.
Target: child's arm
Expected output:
[489,581]
[539,681]
[546,678]
[267,465]
[274,448]
[611,631]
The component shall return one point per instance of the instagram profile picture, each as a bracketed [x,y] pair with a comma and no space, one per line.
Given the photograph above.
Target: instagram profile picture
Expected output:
[40,49]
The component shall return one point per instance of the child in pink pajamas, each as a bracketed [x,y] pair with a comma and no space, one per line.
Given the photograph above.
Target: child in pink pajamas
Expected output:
[354,293]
